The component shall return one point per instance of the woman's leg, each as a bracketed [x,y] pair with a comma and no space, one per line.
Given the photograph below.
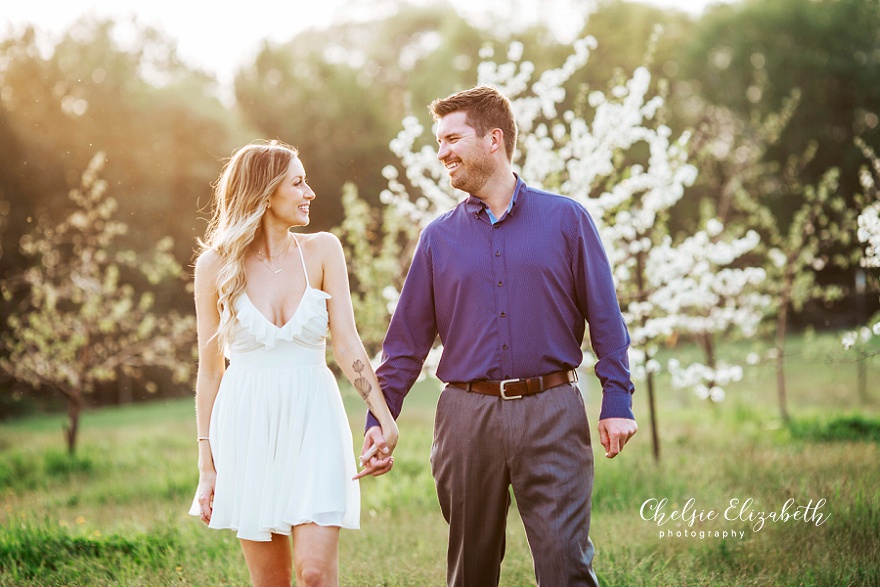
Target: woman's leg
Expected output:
[316,555]
[269,563]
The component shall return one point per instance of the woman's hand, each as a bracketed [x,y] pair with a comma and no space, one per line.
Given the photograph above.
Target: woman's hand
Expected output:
[205,494]
[391,435]
[376,455]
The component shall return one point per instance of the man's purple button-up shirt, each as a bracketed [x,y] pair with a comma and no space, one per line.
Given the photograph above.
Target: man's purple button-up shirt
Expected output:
[509,300]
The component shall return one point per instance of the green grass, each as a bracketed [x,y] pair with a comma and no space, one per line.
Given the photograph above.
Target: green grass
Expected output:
[116,513]
[841,428]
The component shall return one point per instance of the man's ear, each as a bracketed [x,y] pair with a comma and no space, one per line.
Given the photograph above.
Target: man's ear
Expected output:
[497,137]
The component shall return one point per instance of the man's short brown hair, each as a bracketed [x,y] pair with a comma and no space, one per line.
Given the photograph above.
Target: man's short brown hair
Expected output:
[486,109]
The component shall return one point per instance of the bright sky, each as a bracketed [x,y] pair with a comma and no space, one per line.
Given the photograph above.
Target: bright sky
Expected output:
[220,40]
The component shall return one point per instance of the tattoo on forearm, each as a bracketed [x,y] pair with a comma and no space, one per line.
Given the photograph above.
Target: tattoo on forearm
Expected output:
[360,383]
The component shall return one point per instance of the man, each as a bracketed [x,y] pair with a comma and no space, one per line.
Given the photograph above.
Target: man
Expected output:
[507,278]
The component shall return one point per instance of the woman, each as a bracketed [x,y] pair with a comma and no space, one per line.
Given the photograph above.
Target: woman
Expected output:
[275,449]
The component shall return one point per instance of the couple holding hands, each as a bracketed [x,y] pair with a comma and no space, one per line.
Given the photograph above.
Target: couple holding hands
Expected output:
[509,279]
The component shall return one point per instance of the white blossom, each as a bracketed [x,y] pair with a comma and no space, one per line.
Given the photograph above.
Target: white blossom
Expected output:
[777,257]
[869,234]
[693,286]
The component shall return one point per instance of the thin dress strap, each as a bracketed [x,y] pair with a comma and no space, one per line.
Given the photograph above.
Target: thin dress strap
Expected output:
[303,259]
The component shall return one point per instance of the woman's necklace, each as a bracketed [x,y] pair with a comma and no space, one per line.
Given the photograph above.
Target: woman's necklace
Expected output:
[265,258]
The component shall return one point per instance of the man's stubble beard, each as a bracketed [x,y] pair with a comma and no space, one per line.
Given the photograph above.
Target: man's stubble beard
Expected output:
[476,175]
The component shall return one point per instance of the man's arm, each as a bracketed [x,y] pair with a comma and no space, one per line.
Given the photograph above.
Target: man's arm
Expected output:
[409,338]
[411,332]
[609,337]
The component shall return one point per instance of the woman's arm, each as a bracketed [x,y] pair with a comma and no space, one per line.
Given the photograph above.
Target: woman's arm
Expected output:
[210,371]
[347,346]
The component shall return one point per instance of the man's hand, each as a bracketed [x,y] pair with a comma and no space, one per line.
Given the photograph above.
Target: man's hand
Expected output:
[376,455]
[614,434]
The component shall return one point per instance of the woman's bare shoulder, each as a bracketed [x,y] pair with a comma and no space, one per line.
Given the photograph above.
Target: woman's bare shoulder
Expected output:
[208,263]
[324,244]
[317,239]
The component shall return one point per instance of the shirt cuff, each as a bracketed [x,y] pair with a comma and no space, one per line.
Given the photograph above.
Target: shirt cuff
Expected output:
[372,421]
[616,405]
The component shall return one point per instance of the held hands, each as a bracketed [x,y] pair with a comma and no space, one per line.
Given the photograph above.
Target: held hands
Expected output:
[614,434]
[379,444]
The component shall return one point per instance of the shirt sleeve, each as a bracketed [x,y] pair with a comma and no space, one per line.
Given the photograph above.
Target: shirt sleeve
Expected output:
[598,302]
[410,335]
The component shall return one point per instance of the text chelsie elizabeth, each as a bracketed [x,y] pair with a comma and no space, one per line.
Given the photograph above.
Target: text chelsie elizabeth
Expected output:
[737,511]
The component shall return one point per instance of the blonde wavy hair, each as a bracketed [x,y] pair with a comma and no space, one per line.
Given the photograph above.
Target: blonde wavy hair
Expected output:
[241,197]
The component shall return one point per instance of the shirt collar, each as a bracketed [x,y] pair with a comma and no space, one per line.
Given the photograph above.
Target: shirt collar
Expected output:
[475,205]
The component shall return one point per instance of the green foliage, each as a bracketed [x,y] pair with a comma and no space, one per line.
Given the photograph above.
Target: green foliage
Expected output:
[819,236]
[856,428]
[338,94]
[623,29]
[160,124]
[732,152]
[60,465]
[869,177]
[806,228]
[46,552]
[78,321]
[20,471]
[378,258]
[17,471]
[750,55]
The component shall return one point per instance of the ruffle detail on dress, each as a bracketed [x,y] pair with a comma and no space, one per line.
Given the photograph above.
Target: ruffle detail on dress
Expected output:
[308,324]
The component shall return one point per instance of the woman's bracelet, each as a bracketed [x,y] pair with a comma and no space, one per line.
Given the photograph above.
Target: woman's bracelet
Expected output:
[205,438]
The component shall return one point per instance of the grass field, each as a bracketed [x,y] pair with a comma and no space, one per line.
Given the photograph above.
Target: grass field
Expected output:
[116,513]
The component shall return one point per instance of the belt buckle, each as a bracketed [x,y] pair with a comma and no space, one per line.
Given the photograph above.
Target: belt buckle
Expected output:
[504,394]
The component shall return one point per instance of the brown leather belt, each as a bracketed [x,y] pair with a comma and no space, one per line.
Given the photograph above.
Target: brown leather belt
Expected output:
[517,388]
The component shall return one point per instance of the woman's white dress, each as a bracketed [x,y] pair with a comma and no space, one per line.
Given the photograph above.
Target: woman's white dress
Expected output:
[280,439]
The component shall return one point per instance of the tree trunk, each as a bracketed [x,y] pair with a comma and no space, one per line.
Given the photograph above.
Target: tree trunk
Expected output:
[863,378]
[781,327]
[709,352]
[74,407]
[124,388]
[649,377]
[781,331]
[862,316]
[707,343]
[652,408]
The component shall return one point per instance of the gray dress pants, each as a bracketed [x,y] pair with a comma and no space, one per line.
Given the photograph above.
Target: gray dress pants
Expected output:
[540,446]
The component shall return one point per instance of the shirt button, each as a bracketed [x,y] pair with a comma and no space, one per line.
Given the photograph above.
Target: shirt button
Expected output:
[495,226]
[504,346]
[497,253]
[500,283]
[503,314]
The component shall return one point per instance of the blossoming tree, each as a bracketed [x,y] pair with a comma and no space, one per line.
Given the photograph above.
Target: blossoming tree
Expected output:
[668,286]
[869,235]
[77,322]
